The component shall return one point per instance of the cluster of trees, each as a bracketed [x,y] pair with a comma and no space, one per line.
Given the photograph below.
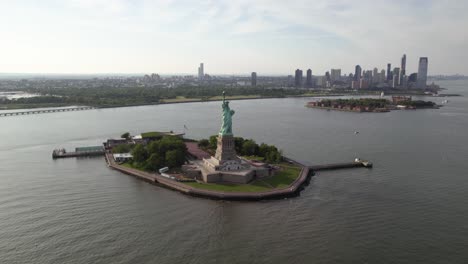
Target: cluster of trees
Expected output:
[246,147]
[364,102]
[168,151]
[126,96]
[418,104]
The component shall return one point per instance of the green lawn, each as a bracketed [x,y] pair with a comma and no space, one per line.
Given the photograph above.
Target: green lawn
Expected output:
[151,134]
[281,179]
[132,166]
[285,177]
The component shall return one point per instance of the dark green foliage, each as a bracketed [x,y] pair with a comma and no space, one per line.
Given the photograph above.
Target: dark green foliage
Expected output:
[204,143]
[213,142]
[418,103]
[155,162]
[123,148]
[139,153]
[168,151]
[175,158]
[249,148]
[364,102]
[125,135]
[238,142]
[105,96]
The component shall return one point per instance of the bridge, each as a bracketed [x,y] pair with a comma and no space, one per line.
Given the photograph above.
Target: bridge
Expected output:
[45,111]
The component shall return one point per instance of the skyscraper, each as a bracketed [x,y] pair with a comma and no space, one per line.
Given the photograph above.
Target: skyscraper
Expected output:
[389,72]
[422,73]
[254,79]
[382,76]
[298,78]
[403,68]
[309,78]
[357,73]
[201,72]
[396,77]
[335,75]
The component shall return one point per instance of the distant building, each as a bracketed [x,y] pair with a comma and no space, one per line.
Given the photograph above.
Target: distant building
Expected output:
[122,157]
[389,72]
[201,72]
[422,73]
[413,78]
[382,76]
[363,84]
[396,74]
[375,76]
[403,68]
[309,78]
[357,73]
[298,78]
[395,81]
[254,79]
[335,75]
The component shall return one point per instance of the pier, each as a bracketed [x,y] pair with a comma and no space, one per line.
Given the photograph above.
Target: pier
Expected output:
[292,190]
[79,152]
[45,111]
[348,165]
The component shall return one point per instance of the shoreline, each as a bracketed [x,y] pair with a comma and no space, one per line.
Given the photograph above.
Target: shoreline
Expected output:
[196,100]
[290,191]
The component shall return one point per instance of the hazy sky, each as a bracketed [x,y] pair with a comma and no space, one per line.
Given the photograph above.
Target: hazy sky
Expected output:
[230,36]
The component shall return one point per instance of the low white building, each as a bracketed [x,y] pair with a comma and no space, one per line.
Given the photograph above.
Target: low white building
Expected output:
[122,157]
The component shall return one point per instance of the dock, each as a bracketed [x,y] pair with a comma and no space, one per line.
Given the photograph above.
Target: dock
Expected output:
[79,152]
[336,166]
[45,111]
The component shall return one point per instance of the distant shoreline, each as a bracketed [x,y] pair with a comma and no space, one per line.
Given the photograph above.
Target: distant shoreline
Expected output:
[200,100]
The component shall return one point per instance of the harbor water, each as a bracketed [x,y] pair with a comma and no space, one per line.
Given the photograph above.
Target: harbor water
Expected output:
[410,208]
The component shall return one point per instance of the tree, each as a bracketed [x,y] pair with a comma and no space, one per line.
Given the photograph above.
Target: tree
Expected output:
[238,142]
[175,158]
[122,148]
[249,148]
[171,143]
[125,135]
[153,147]
[139,153]
[204,143]
[155,162]
[213,142]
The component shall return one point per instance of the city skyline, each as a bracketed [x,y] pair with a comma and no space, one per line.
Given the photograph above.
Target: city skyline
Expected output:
[271,38]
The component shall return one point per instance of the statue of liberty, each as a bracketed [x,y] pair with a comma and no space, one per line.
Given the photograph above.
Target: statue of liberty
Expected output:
[226,127]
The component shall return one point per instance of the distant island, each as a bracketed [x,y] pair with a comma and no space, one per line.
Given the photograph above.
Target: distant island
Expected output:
[371,104]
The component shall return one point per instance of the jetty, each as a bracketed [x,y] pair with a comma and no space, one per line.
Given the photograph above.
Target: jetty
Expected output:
[335,166]
[79,152]
[290,191]
[45,111]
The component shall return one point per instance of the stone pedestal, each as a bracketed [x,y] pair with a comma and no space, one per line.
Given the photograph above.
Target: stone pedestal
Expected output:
[226,149]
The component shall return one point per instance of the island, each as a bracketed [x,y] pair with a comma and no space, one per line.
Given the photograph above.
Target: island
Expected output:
[221,167]
[376,105]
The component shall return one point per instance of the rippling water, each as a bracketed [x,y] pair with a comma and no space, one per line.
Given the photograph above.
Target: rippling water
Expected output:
[410,208]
